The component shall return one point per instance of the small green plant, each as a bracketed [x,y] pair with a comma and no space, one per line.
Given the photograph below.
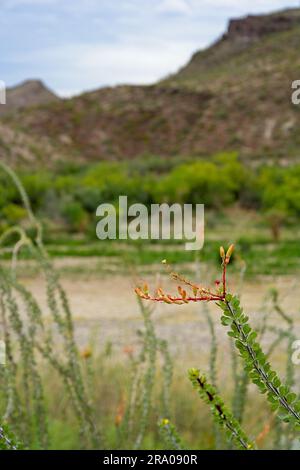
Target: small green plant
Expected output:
[170,435]
[144,368]
[30,339]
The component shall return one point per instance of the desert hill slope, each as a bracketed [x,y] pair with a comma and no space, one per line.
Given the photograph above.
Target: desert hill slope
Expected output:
[235,95]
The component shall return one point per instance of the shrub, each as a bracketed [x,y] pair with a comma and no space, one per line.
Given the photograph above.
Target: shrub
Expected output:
[14,213]
[280,189]
[75,215]
[214,183]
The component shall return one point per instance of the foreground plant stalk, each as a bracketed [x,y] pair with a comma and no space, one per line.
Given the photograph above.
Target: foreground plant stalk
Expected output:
[220,412]
[6,442]
[258,369]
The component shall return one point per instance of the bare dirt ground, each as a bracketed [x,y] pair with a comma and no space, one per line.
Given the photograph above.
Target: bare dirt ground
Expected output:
[106,308]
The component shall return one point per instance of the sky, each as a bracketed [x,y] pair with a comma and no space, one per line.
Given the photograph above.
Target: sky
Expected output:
[79,45]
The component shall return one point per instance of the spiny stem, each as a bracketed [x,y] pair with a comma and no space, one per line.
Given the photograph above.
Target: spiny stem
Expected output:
[222,415]
[259,369]
[220,412]
[7,441]
[224,280]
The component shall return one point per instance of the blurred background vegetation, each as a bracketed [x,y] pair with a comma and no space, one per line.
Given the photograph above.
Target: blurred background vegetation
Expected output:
[266,199]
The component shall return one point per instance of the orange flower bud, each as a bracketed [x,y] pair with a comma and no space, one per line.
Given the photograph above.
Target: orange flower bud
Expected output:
[229,251]
[145,289]
[141,294]
[86,353]
[118,419]
[160,292]
[128,350]
[228,254]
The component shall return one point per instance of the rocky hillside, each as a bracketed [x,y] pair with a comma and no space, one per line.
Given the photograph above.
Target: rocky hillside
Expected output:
[244,38]
[29,93]
[254,27]
[119,123]
[234,95]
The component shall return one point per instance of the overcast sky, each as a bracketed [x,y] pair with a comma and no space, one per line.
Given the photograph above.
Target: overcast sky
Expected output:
[76,45]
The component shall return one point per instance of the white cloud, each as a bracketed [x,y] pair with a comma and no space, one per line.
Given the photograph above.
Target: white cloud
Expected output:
[258,5]
[174,6]
[88,66]
[84,44]
[17,3]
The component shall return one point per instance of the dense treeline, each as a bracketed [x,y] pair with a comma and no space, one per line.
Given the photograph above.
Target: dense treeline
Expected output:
[68,197]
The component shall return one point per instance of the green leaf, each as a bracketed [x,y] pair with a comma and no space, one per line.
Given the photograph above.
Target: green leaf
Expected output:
[226,321]
[276,382]
[246,329]
[291,397]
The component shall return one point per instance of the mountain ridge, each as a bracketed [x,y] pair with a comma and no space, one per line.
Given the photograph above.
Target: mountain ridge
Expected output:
[32,92]
[235,95]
